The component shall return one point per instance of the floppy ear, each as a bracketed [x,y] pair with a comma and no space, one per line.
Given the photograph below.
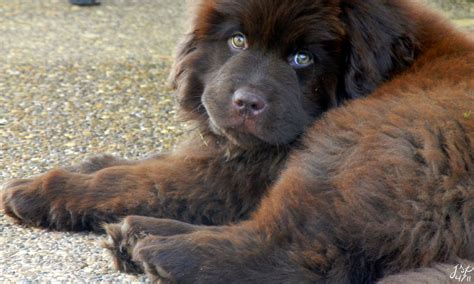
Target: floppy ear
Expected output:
[184,48]
[190,63]
[185,76]
[379,44]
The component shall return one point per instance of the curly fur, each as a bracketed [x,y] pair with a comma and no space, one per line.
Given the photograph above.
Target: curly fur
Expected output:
[361,169]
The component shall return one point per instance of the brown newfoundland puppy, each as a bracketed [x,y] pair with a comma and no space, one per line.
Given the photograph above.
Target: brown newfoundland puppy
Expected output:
[375,186]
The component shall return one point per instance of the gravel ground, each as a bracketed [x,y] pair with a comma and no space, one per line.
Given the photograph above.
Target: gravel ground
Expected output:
[75,81]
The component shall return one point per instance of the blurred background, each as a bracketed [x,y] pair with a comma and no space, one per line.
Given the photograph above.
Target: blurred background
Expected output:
[457,9]
[81,80]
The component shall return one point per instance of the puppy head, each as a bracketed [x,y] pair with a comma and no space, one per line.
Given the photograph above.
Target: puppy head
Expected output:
[260,71]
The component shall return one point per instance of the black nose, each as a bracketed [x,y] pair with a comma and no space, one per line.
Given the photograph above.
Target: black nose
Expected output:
[248,103]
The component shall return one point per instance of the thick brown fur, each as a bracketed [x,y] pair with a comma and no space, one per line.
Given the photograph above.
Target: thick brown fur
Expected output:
[359,167]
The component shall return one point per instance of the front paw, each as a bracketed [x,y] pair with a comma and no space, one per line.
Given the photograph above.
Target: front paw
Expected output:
[121,241]
[123,237]
[191,258]
[164,261]
[54,201]
[22,202]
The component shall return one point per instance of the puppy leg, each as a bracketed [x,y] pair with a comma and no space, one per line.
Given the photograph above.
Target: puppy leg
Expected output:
[199,191]
[230,255]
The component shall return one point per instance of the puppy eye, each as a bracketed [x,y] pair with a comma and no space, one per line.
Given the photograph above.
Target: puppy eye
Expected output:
[238,41]
[301,59]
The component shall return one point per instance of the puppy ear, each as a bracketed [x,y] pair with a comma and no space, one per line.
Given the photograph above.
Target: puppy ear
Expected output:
[191,62]
[184,48]
[185,76]
[380,43]
[184,59]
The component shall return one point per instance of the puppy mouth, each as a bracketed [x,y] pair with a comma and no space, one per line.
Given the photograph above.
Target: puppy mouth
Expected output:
[240,130]
[245,125]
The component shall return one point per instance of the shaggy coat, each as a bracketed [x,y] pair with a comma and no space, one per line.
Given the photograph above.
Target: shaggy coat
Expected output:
[334,143]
